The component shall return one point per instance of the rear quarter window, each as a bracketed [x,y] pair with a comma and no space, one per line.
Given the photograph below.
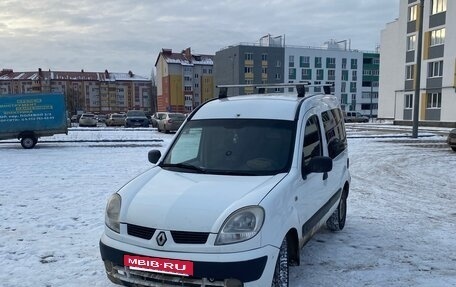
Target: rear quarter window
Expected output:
[335,132]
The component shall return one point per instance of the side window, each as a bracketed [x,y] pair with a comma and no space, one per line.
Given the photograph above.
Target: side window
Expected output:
[335,132]
[312,140]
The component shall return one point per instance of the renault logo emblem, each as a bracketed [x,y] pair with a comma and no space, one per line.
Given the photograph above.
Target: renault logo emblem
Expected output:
[161,238]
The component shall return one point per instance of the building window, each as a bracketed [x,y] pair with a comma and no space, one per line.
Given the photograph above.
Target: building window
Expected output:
[435,69]
[306,74]
[331,75]
[409,72]
[439,6]
[343,99]
[434,100]
[352,87]
[320,74]
[330,62]
[291,61]
[354,63]
[376,61]
[411,42]
[248,56]
[304,62]
[354,75]
[367,73]
[345,75]
[278,64]
[317,62]
[264,70]
[248,70]
[438,37]
[343,87]
[412,13]
[408,101]
[292,73]
[277,76]
[264,57]
[344,63]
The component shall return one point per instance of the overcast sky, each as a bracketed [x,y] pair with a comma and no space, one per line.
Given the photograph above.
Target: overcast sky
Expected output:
[123,35]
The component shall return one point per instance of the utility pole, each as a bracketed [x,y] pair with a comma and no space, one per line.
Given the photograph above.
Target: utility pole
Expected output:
[416,100]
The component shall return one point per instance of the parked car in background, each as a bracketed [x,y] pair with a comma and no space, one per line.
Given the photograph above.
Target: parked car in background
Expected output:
[452,139]
[115,120]
[156,118]
[355,117]
[136,118]
[102,118]
[75,118]
[88,120]
[170,122]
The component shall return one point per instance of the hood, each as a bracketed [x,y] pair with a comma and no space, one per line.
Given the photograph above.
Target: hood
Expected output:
[170,200]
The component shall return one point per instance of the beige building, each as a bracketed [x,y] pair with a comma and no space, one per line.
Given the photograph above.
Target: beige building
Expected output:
[399,59]
[96,92]
[184,80]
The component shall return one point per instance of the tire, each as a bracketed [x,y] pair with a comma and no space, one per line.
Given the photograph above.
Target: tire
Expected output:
[28,142]
[281,270]
[453,148]
[337,220]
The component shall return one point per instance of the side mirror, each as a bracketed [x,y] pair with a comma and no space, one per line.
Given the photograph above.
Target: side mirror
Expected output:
[154,156]
[318,164]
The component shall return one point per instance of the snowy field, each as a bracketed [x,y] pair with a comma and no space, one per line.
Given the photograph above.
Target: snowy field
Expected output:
[400,231]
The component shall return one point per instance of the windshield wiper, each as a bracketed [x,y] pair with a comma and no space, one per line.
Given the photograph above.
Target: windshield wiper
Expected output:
[184,166]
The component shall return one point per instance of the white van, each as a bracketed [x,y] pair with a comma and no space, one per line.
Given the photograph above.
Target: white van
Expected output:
[243,186]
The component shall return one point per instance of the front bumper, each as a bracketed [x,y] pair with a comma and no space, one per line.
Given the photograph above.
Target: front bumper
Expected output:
[250,268]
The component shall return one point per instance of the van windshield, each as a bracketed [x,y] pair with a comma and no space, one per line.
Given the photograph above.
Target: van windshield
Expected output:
[233,147]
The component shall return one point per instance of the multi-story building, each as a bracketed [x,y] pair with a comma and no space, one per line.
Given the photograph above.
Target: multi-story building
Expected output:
[85,91]
[369,87]
[184,80]
[271,61]
[246,63]
[399,73]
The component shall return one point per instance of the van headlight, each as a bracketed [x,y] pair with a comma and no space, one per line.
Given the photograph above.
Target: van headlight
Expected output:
[113,212]
[241,225]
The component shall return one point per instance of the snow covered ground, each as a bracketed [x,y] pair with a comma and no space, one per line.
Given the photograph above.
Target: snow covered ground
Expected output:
[401,222]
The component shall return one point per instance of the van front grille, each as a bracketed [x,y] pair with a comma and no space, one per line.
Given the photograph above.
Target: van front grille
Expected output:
[140,231]
[187,237]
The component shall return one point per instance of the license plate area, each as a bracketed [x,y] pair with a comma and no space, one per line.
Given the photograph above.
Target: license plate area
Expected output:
[160,265]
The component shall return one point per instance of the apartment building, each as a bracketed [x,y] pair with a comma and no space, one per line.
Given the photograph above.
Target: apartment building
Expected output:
[251,63]
[271,61]
[184,80]
[95,92]
[399,72]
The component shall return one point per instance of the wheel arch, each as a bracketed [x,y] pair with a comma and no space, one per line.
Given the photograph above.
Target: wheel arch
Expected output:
[24,134]
[346,189]
[293,247]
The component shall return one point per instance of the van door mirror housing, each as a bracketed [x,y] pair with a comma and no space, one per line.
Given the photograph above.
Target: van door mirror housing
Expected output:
[318,164]
[154,156]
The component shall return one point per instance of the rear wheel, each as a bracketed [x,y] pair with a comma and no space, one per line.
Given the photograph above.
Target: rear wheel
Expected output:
[281,271]
[337,220]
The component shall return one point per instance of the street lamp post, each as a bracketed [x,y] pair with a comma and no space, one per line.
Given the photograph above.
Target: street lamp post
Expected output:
[416,100]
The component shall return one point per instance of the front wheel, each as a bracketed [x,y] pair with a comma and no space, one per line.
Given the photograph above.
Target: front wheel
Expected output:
[337,220]
[28,142]
[281,271]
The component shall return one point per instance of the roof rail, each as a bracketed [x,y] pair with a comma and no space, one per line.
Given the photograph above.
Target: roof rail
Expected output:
[300,88]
